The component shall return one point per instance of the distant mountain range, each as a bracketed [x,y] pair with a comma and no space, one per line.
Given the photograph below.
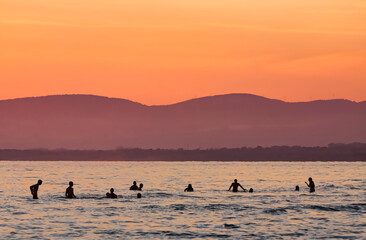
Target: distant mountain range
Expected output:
[232,120]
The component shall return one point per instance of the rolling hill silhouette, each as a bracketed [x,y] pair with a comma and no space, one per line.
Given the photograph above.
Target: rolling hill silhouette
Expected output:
[233,120]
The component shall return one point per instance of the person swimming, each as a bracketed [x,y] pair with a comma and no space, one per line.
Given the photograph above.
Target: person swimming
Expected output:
[139,195]
[235,186]
[111,194]
[251,190]
[140,187]
[70,191]
[189,188]
[34,189]
[311,185]
[297,188]
[134,186]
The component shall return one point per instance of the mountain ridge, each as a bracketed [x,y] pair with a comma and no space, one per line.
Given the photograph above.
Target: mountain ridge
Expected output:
[180,102]
[229,120]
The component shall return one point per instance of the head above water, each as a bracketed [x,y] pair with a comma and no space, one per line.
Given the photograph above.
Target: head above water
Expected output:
[190,185]
[71,184]
[310,179]
[139,195]
[297,188]
[134,183]
[251,190]
[235,180]
[40,182]
[112,190]
[141,185]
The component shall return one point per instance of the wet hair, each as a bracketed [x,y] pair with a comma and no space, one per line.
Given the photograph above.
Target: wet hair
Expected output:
[134,182]
[139,195]
[235,180]
[141,185]
[251,190]
[112,190]
[71,183]
[40,181]
[310,179]
[190,185]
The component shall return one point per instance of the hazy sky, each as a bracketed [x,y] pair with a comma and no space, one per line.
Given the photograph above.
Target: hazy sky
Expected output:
[164,51]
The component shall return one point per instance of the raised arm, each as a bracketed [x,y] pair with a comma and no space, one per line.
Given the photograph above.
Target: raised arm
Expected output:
[307,184]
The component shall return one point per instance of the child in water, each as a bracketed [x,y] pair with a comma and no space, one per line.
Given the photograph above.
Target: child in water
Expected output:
[189,188]
[311,185]
[111,194]
[70,191]
[34,189]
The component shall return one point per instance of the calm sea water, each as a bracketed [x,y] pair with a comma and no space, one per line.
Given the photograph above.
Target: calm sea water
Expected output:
[336,210]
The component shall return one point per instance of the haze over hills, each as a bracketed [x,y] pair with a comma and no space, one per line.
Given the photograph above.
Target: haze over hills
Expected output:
[233,120]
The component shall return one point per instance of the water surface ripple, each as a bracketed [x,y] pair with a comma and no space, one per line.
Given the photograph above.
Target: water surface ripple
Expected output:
[336,210]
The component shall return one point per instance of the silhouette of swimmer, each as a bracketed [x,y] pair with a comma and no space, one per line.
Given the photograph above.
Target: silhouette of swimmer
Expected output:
[134,186]
[139,195]
[235,186]
[111,194]
[141,186]
[34,189]
[70,191]
[251,190]
[189,188]
[311,185]
[297,188]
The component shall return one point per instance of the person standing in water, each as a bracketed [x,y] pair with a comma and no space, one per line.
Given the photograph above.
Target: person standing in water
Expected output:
[235,186]
[297,188]
[311,185]
[111,194]
[189,188]
[141,186]
[34,189]
[134,186]
[70,191]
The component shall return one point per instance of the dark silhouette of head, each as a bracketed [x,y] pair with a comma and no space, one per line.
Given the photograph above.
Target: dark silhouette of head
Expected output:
[297,188]
[139,195]
[39,182]
[141,185]
[310,179]
[251,190]
[134,183]
[235,180]
[112,190]
[71,184]
[190,185]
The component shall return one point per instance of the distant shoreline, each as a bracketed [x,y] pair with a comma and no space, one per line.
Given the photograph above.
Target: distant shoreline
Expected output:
[354,152]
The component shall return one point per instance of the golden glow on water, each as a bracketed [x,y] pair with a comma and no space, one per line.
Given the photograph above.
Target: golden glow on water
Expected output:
[273,210]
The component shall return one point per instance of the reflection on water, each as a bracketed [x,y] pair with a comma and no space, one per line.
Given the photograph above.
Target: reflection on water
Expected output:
[274,210]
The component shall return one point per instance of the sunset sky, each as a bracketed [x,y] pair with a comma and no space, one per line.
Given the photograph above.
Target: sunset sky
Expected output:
[165,51]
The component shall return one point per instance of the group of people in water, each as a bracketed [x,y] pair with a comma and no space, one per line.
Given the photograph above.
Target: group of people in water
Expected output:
[234,187]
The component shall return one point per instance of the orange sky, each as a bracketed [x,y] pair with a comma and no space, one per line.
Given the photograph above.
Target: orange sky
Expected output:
[165,51]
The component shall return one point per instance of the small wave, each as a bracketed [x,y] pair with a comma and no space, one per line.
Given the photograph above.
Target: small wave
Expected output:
[354,207]
[161,195]
[178,207]
[275,211]
[19,213]
[227,225]
[322,208]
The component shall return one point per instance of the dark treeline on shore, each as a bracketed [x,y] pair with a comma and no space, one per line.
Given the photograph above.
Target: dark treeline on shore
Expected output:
[333,152]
